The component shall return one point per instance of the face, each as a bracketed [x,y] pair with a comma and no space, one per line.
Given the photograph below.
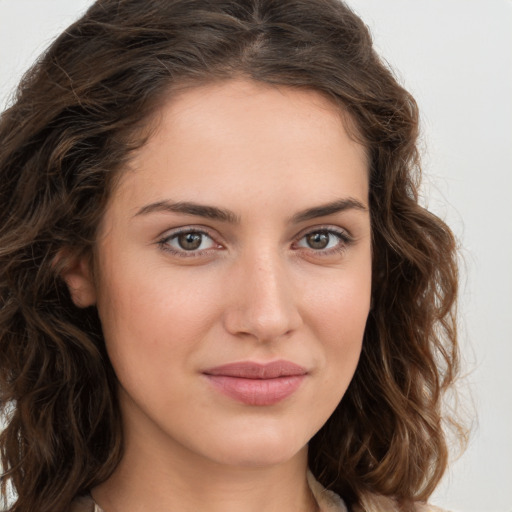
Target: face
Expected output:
[233,271]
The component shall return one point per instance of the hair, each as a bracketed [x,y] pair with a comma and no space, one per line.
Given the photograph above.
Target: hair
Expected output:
[78,115]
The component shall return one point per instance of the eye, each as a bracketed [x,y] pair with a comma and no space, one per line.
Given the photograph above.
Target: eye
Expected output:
[189,241]
[324,240]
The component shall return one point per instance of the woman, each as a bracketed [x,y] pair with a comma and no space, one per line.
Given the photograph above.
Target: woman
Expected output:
[218,289]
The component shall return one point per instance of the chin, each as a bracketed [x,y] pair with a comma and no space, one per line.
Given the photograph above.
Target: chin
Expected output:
[260,450]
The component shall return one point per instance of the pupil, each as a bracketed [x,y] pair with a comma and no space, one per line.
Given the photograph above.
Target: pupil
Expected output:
[318,240]
[190,241]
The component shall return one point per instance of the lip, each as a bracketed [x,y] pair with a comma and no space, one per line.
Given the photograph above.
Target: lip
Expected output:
[257,384]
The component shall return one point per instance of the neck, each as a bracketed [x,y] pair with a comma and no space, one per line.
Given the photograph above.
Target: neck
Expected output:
[158,475]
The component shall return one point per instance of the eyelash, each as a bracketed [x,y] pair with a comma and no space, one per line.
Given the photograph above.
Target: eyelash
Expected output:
[344,241]
[183,253]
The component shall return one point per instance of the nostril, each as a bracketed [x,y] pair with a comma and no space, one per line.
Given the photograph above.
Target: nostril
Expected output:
[264,322]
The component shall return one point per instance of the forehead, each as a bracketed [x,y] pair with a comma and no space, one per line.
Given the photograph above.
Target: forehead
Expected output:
[249,138]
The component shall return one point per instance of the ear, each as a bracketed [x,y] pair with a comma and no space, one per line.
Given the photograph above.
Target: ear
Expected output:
[76,271]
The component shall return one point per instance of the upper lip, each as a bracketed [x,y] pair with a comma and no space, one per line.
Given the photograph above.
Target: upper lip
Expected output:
[253,370]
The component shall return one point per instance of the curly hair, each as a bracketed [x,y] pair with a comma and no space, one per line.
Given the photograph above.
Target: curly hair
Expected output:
[78,114]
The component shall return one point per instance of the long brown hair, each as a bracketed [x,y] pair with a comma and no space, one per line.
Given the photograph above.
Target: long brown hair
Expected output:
[77,116]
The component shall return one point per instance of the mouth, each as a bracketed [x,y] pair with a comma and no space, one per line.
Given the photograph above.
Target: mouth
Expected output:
[257,384]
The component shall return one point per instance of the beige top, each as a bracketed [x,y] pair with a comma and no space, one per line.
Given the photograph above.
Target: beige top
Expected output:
[328,501]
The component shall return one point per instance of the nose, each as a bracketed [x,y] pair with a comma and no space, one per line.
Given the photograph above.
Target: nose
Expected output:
[262,300]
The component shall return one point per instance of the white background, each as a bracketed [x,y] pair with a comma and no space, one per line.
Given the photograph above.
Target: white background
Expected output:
[456,58]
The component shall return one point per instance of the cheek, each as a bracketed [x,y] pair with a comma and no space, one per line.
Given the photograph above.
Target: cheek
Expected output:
[341,305]
[150,315]
[337,313]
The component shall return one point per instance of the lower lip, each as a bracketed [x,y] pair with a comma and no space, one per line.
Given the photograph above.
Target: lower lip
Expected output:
[257,391]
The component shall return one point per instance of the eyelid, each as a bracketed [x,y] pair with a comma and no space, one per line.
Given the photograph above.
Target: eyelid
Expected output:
[169,234]
[343,234]
[332,228]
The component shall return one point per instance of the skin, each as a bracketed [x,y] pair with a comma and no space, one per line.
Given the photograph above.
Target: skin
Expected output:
[254,291]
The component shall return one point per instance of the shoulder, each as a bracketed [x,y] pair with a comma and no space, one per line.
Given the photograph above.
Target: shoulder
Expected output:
[328,501]
[376,503]
[84,504]
[331,502]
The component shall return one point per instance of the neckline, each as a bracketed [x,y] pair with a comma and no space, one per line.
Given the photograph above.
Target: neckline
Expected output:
[327,501]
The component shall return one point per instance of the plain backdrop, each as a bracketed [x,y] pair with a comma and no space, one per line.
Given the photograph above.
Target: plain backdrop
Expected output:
[455,56]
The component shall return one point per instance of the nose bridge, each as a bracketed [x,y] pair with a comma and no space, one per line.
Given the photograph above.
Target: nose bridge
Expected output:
[263,302]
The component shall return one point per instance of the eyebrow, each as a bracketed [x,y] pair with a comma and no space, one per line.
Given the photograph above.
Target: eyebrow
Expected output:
[224,215]
[337,206]
[190,208]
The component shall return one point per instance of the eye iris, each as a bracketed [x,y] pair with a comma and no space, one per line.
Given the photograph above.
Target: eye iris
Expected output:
[190,241]
[318,240]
